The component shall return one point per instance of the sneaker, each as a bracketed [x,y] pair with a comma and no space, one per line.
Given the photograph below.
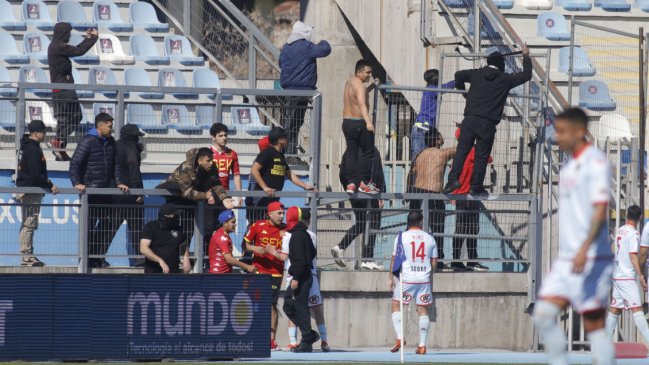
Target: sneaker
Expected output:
[273,345]
[477,193]
[368,188]
[441,267]
[350,189]
[458,266]
[451,186]
[291,346]
[32,262]
[58,150]
[336,252]
[325,346]
[474,266]
[303,347]
[396,347]
[370,265]
[421,350]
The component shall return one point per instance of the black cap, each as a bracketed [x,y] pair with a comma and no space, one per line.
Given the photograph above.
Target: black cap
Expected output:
[36,125]
[275,134]
[168,209]
[130,130]
[496,59]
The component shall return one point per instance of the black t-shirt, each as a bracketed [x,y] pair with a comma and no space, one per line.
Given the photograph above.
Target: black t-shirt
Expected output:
[273,168]
[165,244]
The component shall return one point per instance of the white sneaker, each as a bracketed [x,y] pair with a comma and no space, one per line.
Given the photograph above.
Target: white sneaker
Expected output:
[370,265]
[337,252]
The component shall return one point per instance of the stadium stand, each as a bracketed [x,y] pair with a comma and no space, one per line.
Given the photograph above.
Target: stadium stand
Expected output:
[107,108]
[581,66]
[536,4]
[177,117]
[142,15]
[38,109]
[142,47]
[552,26]
[612,127]
[9,52]
[246,118]
[594,95]
[33,74]
[109,48]
[106,15]
[504,4]
[102,75]
[76,75]
[8,20]
[575,5]
[143,116]
[5,78]
[205,116]
[90,58]
[172,77]
[7,115]
[137,76]
[613,5]
[35,46]
[178,49]
[36,13]
[70,11]
[205,78]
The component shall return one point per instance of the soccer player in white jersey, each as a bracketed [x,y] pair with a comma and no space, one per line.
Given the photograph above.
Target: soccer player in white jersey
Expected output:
[581,275]
[626,274]
[416,272]
[316,305]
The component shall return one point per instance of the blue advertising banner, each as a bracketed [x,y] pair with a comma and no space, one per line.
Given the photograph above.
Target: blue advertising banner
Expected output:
[132,317]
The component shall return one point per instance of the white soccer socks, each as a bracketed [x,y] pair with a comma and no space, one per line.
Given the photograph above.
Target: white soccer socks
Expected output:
[601,347]
[611,323]
[641,323]
[292,335]
[396,322]
[322,329]
[545,317]
[424,324]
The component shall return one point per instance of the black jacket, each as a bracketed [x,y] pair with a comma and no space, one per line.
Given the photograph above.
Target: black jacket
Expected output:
[301,252]
[94,162]
[489,89]
[32,168]
[128,161]
[59,53]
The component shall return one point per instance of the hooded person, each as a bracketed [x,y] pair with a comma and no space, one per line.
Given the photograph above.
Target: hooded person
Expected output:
[485,102]
[302,252]
[162,243]
[67,110]
[299,71]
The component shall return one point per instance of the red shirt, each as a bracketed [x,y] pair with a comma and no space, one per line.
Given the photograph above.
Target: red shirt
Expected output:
[227,163]
[220,244]
[467,173]
[264,233]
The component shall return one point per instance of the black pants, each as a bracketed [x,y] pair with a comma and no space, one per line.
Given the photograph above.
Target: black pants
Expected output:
[481,132]
[467,223]
[67,113]
[127,209]
[363,215]
[359,152]
[436,218]
[299,314]
[293,119]
[103,224]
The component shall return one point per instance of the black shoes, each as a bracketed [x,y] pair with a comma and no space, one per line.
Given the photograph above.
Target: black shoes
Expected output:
[451,186]
[306,345]
[458,266]
[474,266]
[476,193]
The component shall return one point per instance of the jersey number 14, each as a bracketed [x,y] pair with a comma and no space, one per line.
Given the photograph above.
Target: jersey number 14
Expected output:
[420,252]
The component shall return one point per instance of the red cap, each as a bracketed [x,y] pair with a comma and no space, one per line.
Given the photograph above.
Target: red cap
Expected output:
[275,206]
[263,143]
[293,216]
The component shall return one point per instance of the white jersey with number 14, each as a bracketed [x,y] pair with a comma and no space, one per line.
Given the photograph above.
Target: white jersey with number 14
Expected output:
[419,248]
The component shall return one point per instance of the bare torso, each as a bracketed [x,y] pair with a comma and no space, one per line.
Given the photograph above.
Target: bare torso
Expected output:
[355,99]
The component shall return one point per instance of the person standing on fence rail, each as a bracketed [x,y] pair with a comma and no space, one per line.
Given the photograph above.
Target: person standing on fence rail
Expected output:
[427,118]
[67,110]
[299,71]
[94,165]
[162,242]
[427,176]
[581,275]
[485,103]
[358,130]
[32,172]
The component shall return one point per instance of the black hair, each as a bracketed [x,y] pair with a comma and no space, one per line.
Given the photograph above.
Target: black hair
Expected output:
[103,118]
[360,65]
[431,76]
[574,115]
[306,215]
[204,152]
[415,218]
[431,137]
[217,128]
[633,213]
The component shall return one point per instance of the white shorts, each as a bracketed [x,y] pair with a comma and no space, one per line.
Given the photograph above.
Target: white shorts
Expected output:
[421,292]
[315,298]
[587,291]
[626,294]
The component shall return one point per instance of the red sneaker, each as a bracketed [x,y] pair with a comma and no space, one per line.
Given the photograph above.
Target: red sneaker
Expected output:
[350,189]
[396,347]
[58,149]
[273,345]
[291,346]
[368,188]
[421,350]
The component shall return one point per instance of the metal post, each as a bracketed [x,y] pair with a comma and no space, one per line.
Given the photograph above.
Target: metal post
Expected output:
[535,247]
[119,116]
[476,26]
[187,16]
[425,207]
[199,224]
[643,120]
[83,233]
[252,63]
[219,107]
[20,123]
[314,143]
[438,110]
[618,183]
[570,61]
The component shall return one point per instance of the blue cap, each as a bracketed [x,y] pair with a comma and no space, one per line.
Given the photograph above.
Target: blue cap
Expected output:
[226,216]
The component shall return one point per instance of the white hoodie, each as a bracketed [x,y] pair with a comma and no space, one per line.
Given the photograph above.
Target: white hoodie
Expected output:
[300,31]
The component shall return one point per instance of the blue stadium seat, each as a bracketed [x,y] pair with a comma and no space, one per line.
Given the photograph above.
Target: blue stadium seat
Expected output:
[206,78]
[594,95]
[246,118]
[37,14]
[575,5]
[142,47]
[33,74]
[205,115]
[109,48]
[536,4]
[143,116]
[613,5]
[642,5]
[171,77]
[90,58]
[581,66]
[77,80]
[101,75]
[143,16]
[178,49]
[177,117]
[7,19]
[5,78]
[8,50]
[504,4]
[35,46]
[107,108]
[136,76]
[7,115]
[38,109]
[106,14]
[552,26]
[70,11]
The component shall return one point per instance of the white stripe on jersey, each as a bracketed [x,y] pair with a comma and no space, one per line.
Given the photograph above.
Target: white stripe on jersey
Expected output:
[626,242]
[420,248]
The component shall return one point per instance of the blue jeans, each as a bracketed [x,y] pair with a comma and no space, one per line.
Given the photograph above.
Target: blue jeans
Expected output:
[417,141]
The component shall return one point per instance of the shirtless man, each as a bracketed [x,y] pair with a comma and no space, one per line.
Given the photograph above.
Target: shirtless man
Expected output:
[358,130]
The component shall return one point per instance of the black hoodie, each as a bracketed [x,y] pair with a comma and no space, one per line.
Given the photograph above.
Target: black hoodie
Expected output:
[301,252]
[129,159]
[489,89]
[32,168]
[59,53]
